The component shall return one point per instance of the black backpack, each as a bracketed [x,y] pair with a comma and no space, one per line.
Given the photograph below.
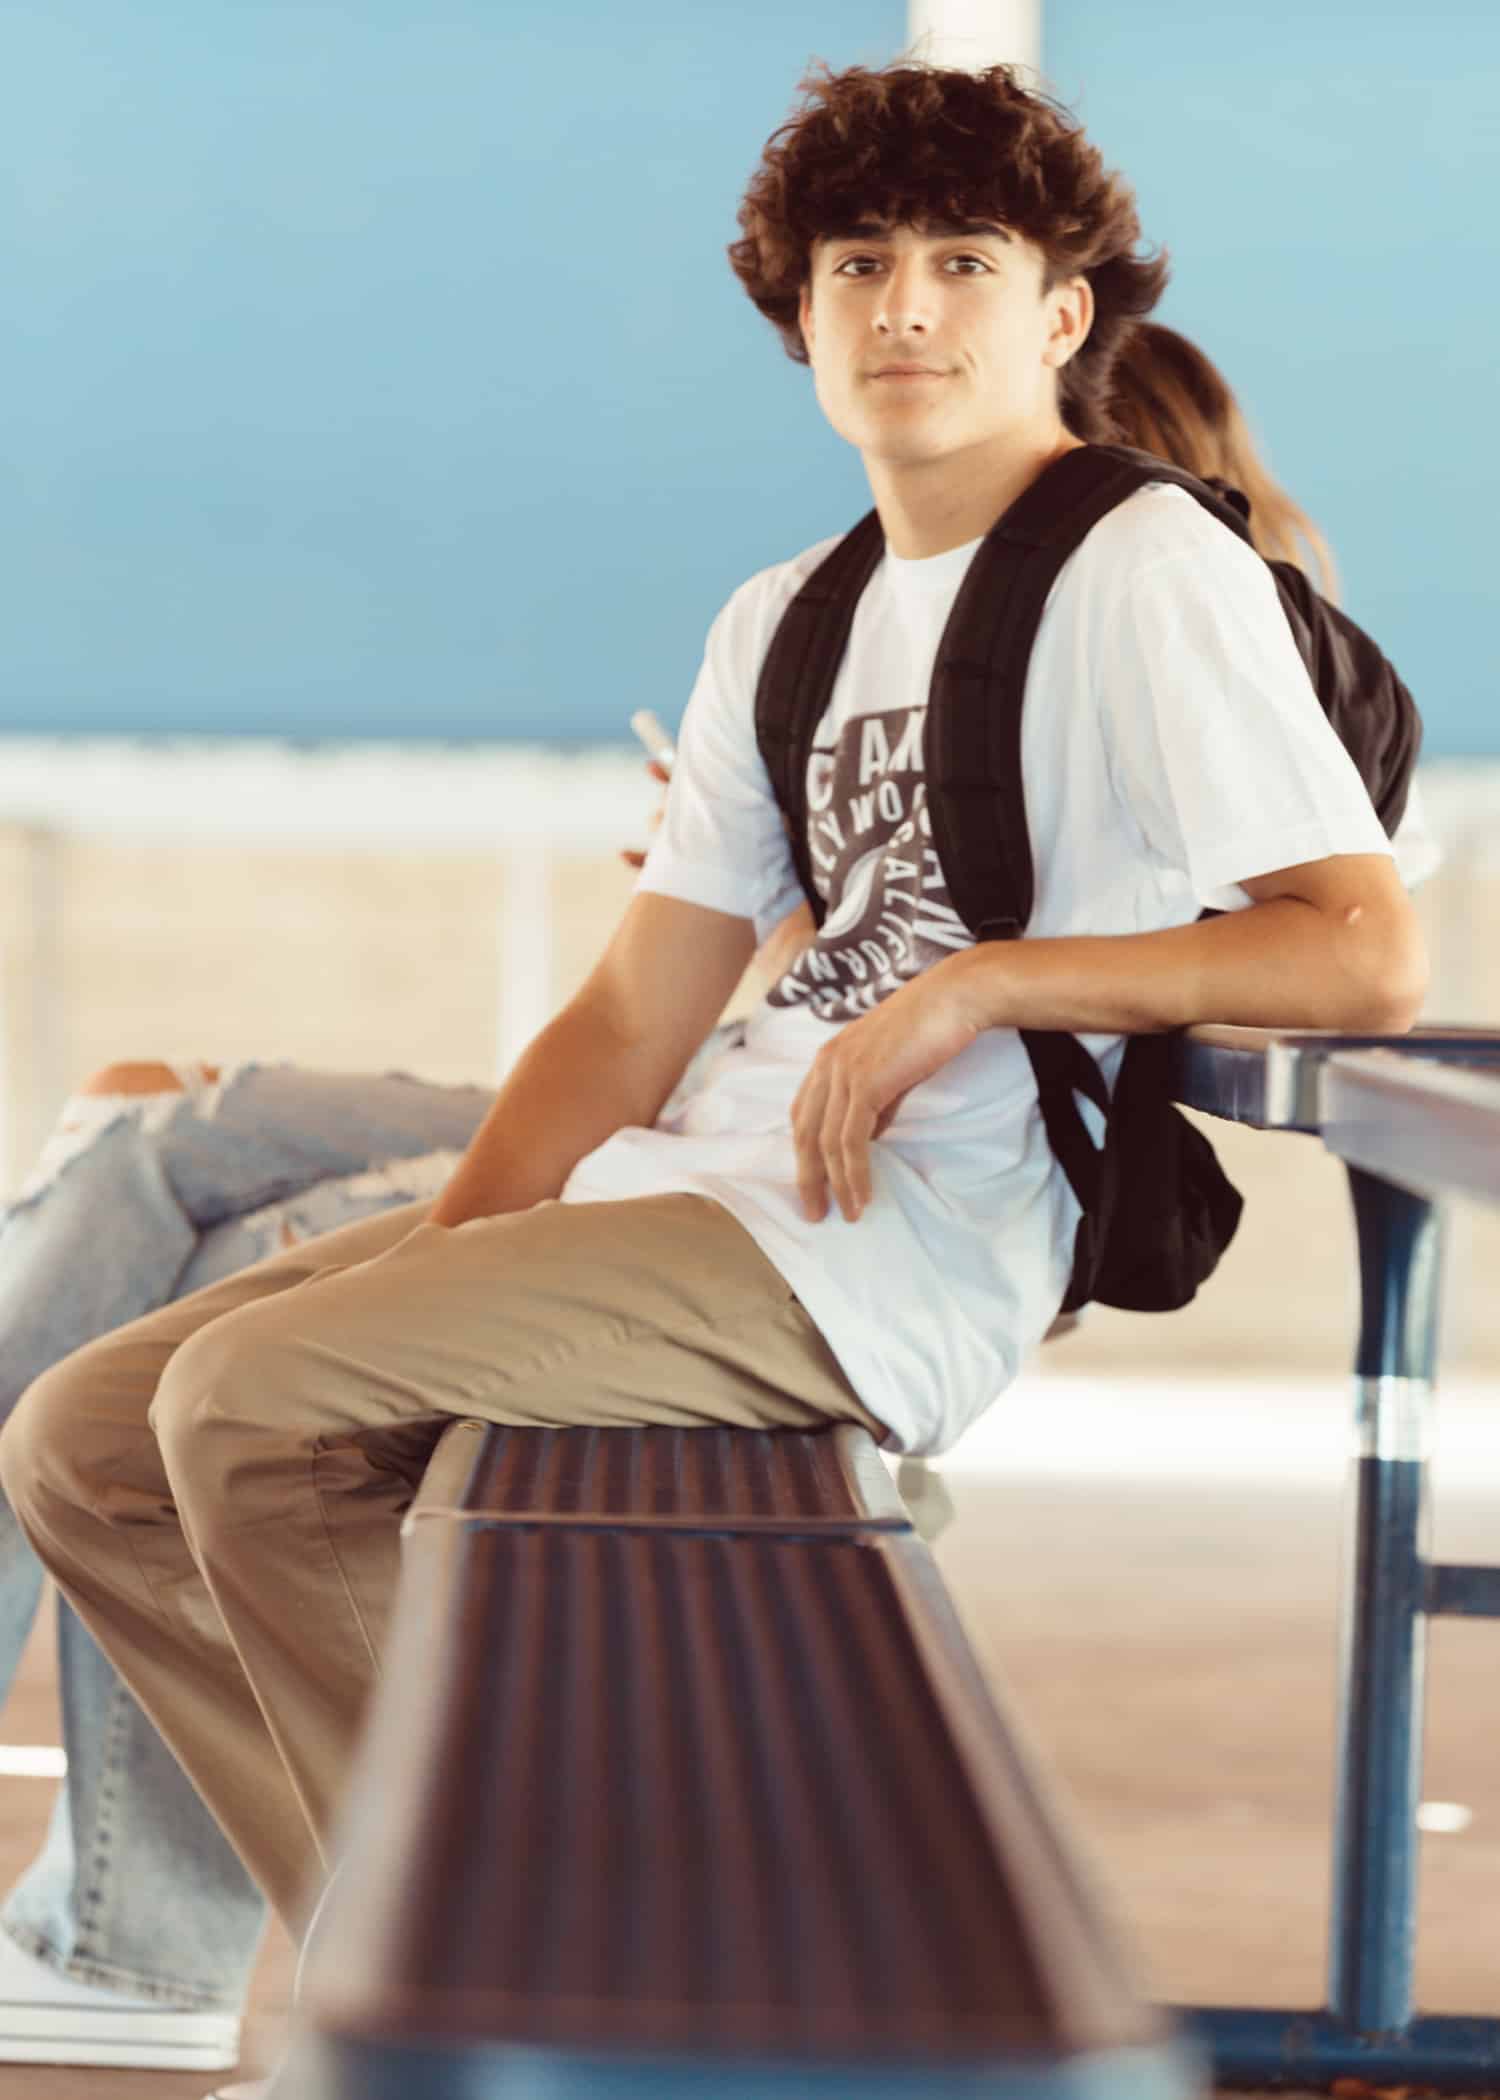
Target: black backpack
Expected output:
[1158,1210]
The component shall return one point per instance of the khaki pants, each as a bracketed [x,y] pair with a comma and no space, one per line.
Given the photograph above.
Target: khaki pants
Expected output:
[218,1488]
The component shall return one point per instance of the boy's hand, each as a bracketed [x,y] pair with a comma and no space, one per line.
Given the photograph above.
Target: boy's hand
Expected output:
[859,1080]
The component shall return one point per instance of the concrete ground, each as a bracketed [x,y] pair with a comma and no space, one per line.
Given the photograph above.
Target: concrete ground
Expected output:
[1151,1571]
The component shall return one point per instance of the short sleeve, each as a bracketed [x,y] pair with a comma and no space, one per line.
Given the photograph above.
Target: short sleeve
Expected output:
[1418,854]
[1219,744]
[722,842]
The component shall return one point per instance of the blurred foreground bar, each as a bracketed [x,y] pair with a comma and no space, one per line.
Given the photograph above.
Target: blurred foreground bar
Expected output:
[683,1780]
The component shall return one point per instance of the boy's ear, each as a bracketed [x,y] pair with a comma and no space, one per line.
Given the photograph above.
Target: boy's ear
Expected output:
[804,315]
[1073,317]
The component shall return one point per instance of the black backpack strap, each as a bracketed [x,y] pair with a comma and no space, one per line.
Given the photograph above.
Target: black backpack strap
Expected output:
[797,679]
[973,743]
[974,777]
[1064,1071]
[972,749]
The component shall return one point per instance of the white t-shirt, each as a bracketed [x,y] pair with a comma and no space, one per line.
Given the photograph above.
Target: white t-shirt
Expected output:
[1172,748]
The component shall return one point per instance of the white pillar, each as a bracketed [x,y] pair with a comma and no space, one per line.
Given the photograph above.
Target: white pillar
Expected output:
[526,945]
[975,33]
[47,1079]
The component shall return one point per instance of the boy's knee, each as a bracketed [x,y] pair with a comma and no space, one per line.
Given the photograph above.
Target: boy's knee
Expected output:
[43,1450]
[232,1383]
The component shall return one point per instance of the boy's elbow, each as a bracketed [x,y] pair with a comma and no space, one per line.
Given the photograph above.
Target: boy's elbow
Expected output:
[1385,1013]
[1394,988]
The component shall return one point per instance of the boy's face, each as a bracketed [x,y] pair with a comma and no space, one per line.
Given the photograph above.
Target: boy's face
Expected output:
[926,342]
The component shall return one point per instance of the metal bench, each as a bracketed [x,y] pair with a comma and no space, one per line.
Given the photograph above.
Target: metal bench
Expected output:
[684,1782]
[1416,1119]
[721,1801]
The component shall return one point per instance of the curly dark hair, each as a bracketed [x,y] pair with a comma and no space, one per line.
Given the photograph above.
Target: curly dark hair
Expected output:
[921,145]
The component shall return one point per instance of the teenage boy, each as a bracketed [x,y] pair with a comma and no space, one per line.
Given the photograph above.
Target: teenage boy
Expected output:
[857,1217]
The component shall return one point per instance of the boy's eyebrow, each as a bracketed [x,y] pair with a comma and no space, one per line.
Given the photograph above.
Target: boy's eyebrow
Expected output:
[938,230]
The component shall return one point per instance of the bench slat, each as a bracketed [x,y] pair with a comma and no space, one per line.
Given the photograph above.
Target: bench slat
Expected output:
[699,1475]
[721,1808]
[724,1795]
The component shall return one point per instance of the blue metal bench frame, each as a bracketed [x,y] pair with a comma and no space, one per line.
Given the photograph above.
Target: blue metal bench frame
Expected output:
[1416,1119]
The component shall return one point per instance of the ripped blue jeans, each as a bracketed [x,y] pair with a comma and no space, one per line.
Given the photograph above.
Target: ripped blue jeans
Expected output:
[139,1199]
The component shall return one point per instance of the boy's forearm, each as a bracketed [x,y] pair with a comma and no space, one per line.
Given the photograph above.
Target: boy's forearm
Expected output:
[575,1085]
[1281,964]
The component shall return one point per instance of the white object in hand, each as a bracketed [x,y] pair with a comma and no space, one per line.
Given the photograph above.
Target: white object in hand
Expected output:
[654,737]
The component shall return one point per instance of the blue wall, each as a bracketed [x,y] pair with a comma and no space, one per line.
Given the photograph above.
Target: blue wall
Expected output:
[373,368]
[339,338]
[1327,179]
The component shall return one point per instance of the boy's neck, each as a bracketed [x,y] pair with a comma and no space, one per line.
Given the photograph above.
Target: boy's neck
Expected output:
[928,508]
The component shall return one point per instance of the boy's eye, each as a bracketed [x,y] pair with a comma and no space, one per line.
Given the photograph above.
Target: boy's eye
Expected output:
[854,265]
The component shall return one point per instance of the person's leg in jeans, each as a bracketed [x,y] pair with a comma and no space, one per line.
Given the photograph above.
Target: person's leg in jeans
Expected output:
[152,1188]
[219,1487]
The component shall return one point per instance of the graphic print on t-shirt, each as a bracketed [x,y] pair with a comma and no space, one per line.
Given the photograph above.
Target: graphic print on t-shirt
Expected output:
[870,838]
